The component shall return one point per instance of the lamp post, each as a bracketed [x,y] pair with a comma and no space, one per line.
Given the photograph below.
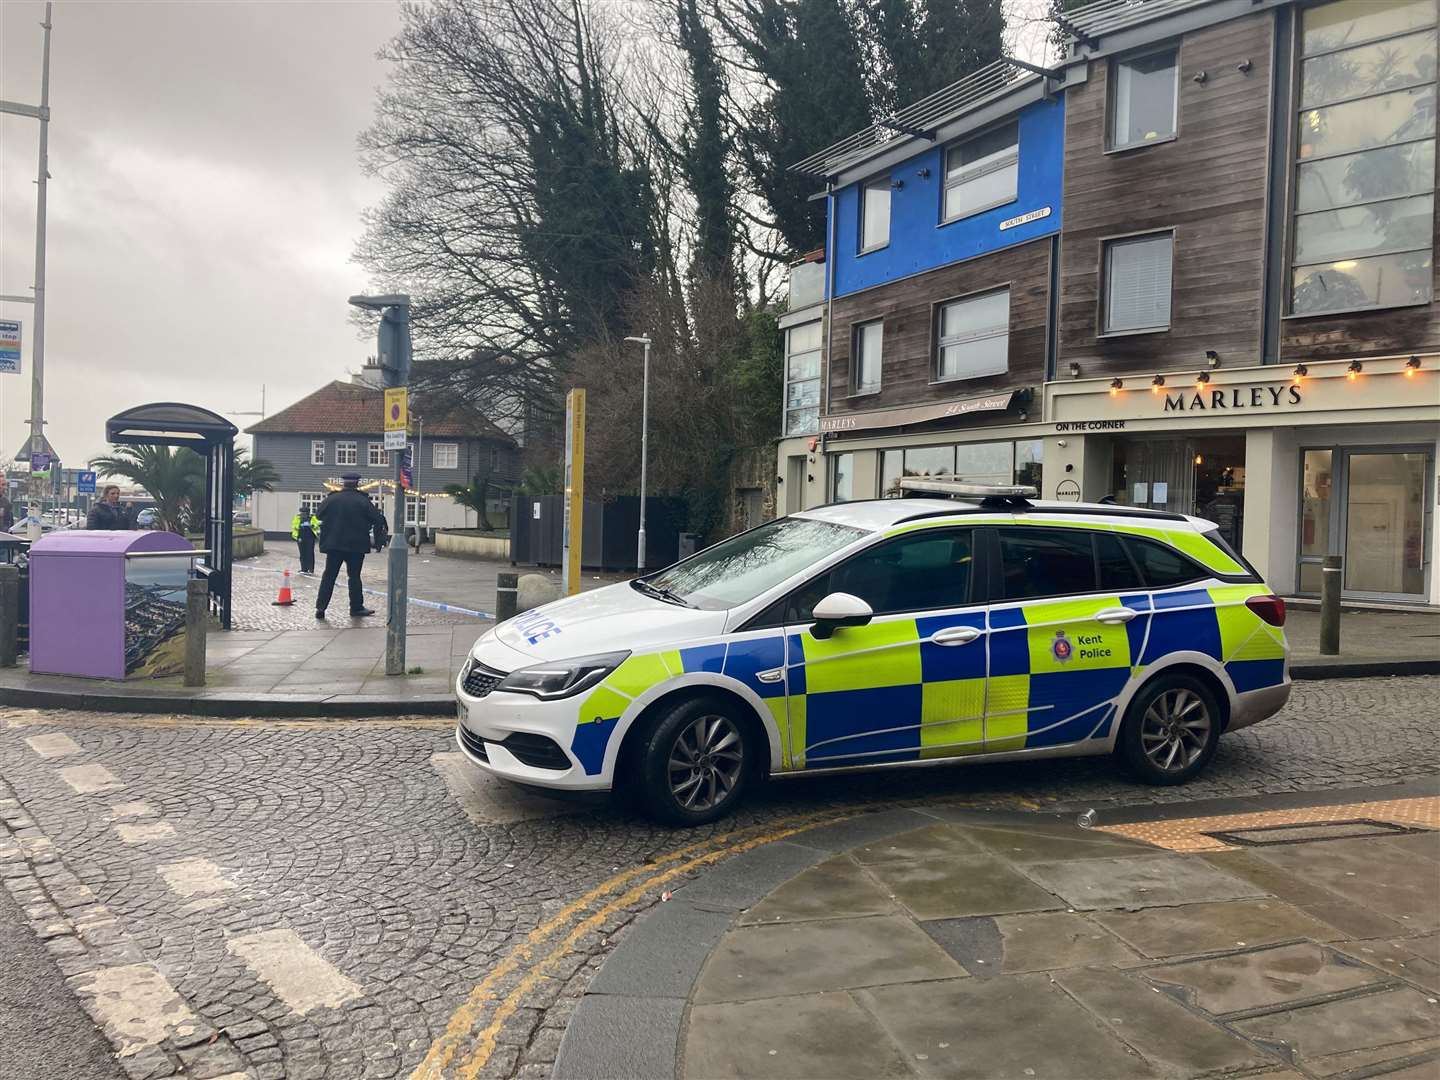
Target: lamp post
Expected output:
[394,353]
[644,447]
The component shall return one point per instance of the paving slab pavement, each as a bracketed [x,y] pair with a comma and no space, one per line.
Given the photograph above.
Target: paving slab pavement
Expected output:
[999,946]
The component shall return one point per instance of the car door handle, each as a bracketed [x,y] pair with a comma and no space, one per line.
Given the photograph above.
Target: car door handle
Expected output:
[1115,615]
[955,635]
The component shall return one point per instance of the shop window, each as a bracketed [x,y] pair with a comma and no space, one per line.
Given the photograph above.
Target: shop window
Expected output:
[842,477]
[1029,461]
[930,461]
[973,336]
[1144,104]
[1161,566]
[1046,562]
[310,502]
[869,345]
[1138,273]
[982,173]
[416,510]
[875,214]
[892,467]
[985,463]
[1365,157]
[802,379]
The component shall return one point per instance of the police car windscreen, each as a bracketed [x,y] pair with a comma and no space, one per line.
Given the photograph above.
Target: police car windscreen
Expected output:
[737,570]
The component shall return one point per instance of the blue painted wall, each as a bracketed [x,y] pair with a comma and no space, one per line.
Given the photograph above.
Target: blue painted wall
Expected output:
[917,239]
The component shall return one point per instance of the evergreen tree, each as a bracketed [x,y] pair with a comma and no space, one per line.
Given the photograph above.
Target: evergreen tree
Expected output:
[807,54]
[705,149]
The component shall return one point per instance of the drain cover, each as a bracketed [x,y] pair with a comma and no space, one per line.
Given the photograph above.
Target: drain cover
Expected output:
[1310,832]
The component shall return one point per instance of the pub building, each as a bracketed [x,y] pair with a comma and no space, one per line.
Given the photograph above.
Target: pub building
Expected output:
[1190,267]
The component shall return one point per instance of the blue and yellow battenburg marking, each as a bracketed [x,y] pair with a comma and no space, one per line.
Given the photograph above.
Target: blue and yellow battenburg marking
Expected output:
[1043,673]
[741,659]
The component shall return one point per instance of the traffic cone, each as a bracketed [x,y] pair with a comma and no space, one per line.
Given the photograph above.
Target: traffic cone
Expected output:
[286,597]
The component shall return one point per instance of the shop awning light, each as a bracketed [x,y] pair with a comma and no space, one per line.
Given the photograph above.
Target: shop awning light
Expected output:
[1156,383]
[1300,372]
[1212,358]
[1201,380]
[1411,366]
[1074,370]
[1353,371]
[1116,385]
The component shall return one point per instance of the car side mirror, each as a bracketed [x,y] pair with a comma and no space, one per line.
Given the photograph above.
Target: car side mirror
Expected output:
[837,610]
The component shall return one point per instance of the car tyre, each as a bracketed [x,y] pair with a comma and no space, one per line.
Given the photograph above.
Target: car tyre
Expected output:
[695,762]
[1170,731]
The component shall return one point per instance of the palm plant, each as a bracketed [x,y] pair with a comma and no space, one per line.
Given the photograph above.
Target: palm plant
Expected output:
[253,474]
[472,496]
[174,478]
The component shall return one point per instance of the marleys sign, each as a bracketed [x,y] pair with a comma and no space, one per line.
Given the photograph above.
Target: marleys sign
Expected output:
[1232,397]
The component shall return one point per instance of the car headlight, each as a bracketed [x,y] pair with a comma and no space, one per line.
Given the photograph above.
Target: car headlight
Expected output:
[562,678]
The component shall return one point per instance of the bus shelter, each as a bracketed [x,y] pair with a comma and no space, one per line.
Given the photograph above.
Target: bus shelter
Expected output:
[169,423]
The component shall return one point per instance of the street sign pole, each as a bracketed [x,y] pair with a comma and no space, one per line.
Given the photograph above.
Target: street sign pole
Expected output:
[393,350]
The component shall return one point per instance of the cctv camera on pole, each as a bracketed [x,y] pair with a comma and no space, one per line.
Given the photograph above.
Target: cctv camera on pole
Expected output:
[393,349]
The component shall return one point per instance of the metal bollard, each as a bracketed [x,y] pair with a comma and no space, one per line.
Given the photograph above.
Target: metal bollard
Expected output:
[505,592]
[197,625]
[1331,580]
[9,613]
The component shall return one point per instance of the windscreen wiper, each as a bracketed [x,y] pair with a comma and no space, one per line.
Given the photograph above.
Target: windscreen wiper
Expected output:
[659,593]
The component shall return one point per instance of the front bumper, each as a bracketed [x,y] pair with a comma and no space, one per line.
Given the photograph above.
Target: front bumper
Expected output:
[521,738]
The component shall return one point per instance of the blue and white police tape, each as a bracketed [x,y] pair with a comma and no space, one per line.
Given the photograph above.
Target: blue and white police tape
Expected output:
[434,605]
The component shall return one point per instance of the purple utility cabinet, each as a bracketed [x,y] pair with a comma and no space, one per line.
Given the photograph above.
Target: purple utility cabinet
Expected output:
[102,603]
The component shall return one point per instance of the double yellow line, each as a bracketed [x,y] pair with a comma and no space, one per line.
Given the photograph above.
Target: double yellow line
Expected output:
[547,943]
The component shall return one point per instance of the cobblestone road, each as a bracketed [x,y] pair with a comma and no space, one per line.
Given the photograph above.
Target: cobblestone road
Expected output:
[330,899]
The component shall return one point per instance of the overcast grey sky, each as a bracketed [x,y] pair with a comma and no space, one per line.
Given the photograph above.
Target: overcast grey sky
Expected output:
[205,198]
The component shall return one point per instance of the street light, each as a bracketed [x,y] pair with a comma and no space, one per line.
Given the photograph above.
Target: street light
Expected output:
[644,446]
[393,351]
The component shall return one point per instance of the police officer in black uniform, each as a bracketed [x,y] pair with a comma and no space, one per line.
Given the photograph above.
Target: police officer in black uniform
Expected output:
[350,525]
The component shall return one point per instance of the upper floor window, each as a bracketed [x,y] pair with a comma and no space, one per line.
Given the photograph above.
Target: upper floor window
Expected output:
[445,455]
[1365,172]
[376,456]
[1137,283]
[346,452]
[802,379]
[974,336]
[865,371]
[875,214]
[317,451]
[982,173]
[1146,94]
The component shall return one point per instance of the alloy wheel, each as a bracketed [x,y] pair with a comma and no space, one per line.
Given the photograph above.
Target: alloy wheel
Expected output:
[1175,730]
[705,762]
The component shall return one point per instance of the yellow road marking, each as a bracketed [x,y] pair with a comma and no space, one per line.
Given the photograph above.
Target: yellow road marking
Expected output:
[444,1049]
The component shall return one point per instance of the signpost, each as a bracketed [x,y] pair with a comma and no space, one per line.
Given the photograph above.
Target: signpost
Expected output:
[393,352]
[85,483]
[10,334]
[397,417]
[573,529]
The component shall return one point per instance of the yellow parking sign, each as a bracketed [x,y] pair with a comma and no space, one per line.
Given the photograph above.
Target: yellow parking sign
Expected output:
[397,417]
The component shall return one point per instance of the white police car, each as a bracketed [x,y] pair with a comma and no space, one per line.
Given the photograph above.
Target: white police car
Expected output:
[911,631]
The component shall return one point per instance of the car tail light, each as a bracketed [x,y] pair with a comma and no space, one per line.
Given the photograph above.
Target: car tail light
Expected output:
[1269,608]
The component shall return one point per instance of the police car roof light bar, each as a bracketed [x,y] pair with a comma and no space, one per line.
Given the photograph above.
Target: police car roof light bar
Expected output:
[990,495]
